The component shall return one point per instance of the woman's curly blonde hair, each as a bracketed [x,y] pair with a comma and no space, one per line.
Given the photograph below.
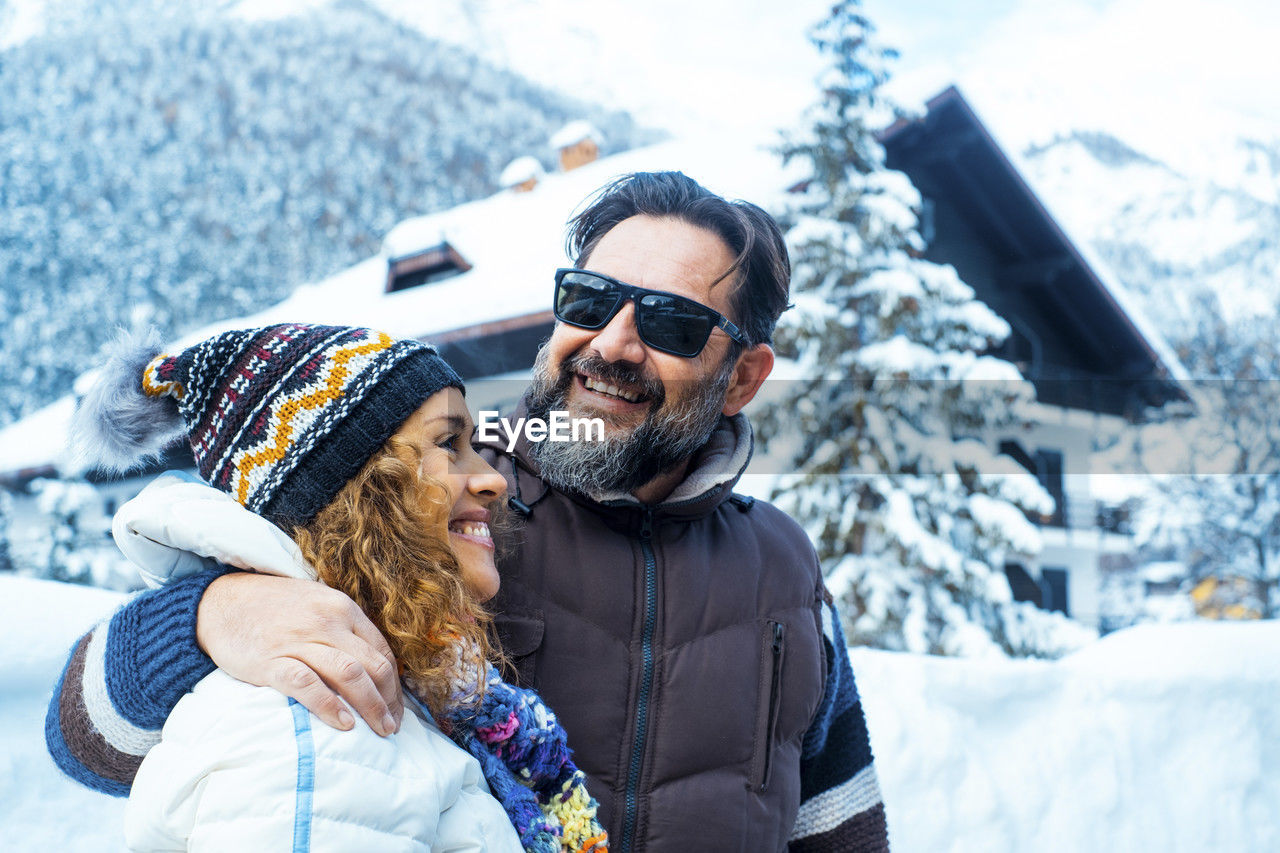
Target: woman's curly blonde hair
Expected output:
[384,541]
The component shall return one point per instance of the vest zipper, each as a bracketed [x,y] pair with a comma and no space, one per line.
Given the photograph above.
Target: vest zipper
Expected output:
[775,694]
[632,801]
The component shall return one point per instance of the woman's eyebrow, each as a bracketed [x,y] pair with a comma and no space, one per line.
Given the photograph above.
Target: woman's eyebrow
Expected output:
[457,423]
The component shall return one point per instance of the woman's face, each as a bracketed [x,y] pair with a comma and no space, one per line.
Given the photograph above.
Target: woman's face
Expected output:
[441,430]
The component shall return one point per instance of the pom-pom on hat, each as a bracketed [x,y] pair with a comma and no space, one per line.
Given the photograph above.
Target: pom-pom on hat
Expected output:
[280,418]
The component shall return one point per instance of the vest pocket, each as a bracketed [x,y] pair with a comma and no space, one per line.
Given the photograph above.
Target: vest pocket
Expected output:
[772,650]
[520,635]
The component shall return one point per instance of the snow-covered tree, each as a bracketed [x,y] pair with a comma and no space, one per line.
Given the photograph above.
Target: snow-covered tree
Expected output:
[912,514]
[1217,505]
[6,509]
[68,506]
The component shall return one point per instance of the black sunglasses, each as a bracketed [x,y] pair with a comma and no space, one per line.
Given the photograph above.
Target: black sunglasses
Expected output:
[666,322]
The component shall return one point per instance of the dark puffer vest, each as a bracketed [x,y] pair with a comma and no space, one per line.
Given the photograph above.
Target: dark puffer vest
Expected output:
[680,645]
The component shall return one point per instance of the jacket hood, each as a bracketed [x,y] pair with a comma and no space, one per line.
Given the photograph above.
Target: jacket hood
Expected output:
[179,525]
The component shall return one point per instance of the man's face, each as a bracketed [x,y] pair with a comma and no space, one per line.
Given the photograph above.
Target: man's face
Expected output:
[655,406]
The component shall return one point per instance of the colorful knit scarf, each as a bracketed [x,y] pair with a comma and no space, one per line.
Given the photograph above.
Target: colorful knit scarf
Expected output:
[527,762]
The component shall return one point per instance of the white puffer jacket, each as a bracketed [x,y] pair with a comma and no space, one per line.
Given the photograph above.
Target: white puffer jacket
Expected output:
[245,768]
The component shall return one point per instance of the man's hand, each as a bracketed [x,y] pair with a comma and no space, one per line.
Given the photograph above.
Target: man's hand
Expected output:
[306,640]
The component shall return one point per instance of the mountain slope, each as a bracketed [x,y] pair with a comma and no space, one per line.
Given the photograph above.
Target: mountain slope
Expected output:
[166,165]
[1170,237]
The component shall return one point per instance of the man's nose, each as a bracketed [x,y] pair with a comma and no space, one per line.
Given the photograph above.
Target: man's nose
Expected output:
[620,339]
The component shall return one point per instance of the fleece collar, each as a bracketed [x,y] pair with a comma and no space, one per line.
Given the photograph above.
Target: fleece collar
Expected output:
[715,468]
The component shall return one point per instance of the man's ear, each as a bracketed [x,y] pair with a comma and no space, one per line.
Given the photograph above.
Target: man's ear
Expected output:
[753,367]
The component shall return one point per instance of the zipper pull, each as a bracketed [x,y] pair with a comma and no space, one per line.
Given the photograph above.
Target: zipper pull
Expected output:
[777,638]
[646,524]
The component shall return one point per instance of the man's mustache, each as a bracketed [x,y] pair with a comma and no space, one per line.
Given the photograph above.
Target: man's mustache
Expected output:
[613,372]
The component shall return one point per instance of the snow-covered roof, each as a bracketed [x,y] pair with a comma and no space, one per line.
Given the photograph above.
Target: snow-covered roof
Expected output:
[1129,306]
[520,170]
[514,241]
[1101,270]
[37,440]
[573,133]
[981,175]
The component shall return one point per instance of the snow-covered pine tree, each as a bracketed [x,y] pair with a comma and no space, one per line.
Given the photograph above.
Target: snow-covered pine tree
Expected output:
[1219,512]
[66,504]
[912,514]
[6,509]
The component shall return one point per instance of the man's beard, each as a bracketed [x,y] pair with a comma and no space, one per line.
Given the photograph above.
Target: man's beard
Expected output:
[666,437]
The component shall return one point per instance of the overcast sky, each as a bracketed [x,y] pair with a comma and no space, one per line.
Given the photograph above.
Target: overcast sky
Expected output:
[1173,77]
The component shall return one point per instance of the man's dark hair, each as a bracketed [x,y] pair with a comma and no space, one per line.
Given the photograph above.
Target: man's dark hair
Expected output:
[762,268]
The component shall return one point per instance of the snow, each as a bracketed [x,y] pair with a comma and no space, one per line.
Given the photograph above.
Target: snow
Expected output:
[19,22]
[899,356]
[40,809]
[38,439]
[986,368]
[1154,738]
[520,170]
[1124,301]
[1175,81]
[273,10]
[573,133]
[1129,307]
[1174,84]
[992,514]
[1198,223]
[515,241]
[671,63]
[1163,571]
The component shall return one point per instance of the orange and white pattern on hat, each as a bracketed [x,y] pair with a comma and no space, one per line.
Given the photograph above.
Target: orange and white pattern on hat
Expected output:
[294,416]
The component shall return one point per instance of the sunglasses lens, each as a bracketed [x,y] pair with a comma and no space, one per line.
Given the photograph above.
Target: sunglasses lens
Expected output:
[673,324]
[584,300]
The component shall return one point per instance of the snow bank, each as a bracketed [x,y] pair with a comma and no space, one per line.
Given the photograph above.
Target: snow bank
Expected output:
[1161,738]
[40,809]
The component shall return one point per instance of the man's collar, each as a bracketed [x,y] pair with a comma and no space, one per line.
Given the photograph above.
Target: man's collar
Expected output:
[720,462]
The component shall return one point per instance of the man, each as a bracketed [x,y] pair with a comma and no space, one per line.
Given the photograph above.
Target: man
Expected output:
[681,632]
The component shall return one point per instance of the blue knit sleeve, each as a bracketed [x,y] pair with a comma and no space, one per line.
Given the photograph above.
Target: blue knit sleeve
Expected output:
[840,804]
[121,682]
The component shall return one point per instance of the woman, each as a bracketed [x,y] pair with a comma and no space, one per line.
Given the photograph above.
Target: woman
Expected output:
[358,448]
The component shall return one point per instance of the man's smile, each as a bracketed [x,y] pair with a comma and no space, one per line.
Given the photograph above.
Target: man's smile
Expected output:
[600,394]
[622,392]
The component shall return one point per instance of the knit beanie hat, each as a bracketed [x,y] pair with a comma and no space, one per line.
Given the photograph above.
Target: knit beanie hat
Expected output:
[280,418]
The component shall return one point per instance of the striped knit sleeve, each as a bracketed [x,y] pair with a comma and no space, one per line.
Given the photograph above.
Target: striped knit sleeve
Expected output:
[122,680]
[840,804]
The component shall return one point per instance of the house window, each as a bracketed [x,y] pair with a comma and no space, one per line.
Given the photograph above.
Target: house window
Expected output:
[1049,473]
[433,264]
[1022,585]
[1053,586]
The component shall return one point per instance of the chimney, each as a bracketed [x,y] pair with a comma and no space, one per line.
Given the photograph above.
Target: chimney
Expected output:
[521,175]
[578,143]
